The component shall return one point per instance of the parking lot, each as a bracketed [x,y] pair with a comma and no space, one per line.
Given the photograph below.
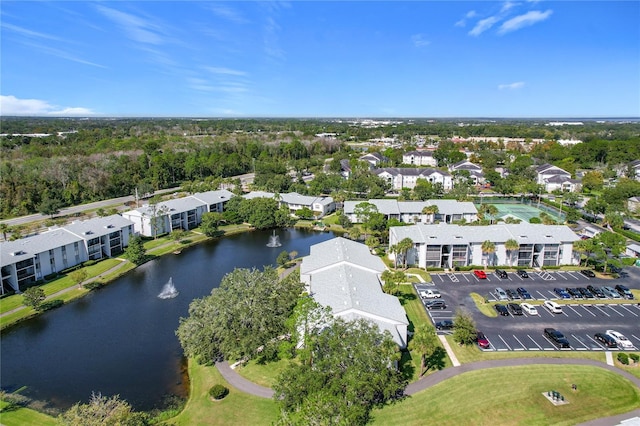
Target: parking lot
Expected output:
[578,322]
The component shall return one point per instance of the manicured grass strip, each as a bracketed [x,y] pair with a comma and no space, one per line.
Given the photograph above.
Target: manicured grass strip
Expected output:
[21,416]
[263,374]
[412,305]
[471,353]
[237,408]
[425,275]
[484,307]
[513,396]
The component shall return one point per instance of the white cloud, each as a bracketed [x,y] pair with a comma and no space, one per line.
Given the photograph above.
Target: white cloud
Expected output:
[29,33]
[226,71]
[419,40]
[227,13]
[524,20]
[10,105]
[136,28]
[470,14]
[507,5]
[63,54]
[511,86]
[463,22]
[483,25]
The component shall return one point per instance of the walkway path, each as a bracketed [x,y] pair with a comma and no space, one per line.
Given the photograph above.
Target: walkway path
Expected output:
[73,287]
[425,382]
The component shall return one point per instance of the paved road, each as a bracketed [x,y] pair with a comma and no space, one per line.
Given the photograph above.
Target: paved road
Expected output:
[244,385]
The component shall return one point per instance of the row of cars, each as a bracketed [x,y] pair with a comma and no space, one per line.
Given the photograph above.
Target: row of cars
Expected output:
[515,309]
[592,292]
[610,339]
[502,274]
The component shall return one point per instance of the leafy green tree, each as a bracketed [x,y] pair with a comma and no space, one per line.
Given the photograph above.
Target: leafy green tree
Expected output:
[305,213]
[425,342]
[432,210]
[490,211]
[103,411]
[613,244]
[135,251]
[372,242]
[614,220]
[464,328]
[595,206]
[210,223]
[593,181]
[49,206]
[33,297]
[283,258]
[248,311]
[346,371]
[581,248]
[78,276]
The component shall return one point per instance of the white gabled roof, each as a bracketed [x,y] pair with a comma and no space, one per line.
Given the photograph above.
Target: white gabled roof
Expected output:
[524,233]
[340,250]
[97,227]
[213,197]
[258,194]
[25,248]
[394,207]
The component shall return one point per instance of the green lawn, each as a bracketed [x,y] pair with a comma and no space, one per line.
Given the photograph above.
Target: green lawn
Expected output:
[263,374]
[21,416]
[513,396]
[236,409]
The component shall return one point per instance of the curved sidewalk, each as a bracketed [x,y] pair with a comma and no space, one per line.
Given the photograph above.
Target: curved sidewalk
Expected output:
[249,387]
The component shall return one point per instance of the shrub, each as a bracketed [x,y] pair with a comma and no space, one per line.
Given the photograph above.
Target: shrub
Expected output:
[51,304]
[623,358]
[218,392]
[94,285]
[634,357]
[51,276]
[89,262]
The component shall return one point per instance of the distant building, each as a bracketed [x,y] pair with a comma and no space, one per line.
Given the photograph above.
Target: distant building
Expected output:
[568,142]
[419,158]
[633,204]
[635,166]
[30,259]
[475,171]
[411,211]
[374,159]
[345,276]
[407,177]
[320,206]
[448,246]
[554,178]
[181,213]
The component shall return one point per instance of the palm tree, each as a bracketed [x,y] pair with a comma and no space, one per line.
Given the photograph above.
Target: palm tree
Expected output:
[580,247]
[431,210]
[511,245]
[403,247]
[488,248]
[4,228]
[490,210]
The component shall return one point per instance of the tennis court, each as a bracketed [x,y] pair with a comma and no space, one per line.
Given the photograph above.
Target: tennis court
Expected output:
[523,212]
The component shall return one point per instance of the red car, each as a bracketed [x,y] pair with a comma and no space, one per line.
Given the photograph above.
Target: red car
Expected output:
[480,274]
[482,341]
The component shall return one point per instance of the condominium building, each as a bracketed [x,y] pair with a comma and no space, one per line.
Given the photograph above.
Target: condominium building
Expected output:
[414,211]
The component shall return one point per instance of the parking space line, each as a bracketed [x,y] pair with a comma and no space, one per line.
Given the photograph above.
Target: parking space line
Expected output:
[573,276]
[579,340]
[542,295]
[637,338]
[518,340]
[562,276]
[588,306]
[614,310]
[598,345]
[534,342]
[628,310]
[505,343]
[465,277]
[573,309]
[601,310]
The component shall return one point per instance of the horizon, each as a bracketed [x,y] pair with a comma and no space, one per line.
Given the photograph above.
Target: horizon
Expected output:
[308,59]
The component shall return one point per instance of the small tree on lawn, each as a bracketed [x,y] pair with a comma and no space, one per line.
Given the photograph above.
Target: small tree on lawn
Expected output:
[425,343]
[33,297]
[283,258]
[464,328]
[78,276]
[135,251]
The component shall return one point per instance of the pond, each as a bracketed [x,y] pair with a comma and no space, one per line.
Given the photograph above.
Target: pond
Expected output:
[121,339]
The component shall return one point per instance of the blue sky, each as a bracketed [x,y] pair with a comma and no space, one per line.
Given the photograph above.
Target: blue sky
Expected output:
[321,59]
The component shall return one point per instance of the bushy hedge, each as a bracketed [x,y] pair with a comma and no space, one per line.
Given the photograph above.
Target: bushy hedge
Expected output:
[218,392]
[634,357]
[89,262]
[623,358]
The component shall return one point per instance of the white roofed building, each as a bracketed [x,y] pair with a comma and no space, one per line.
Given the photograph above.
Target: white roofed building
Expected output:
[320,206]
[448,246]
[419,158]
[407,177]
[412,211]
[345,276]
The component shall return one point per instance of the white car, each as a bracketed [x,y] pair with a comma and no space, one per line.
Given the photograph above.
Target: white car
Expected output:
[501,294]
[621,341]
[529,308]
[553,306]
[430,294]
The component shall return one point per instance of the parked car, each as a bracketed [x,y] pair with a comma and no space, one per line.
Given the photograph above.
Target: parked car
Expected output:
[430,294]
[610,292]
[588,273]
[435,304]
[557,338]
[512,294]
[514,308]
[574,293]
[444,325]
[500,273]
[481,340]
[553,307]
[620,339]
[501,294]
[561,293]
[606,340]
[624,291]
[522,273]
[586,293]
[529,309]
[596,291]
[480,274]
[502,310]
[524,293]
